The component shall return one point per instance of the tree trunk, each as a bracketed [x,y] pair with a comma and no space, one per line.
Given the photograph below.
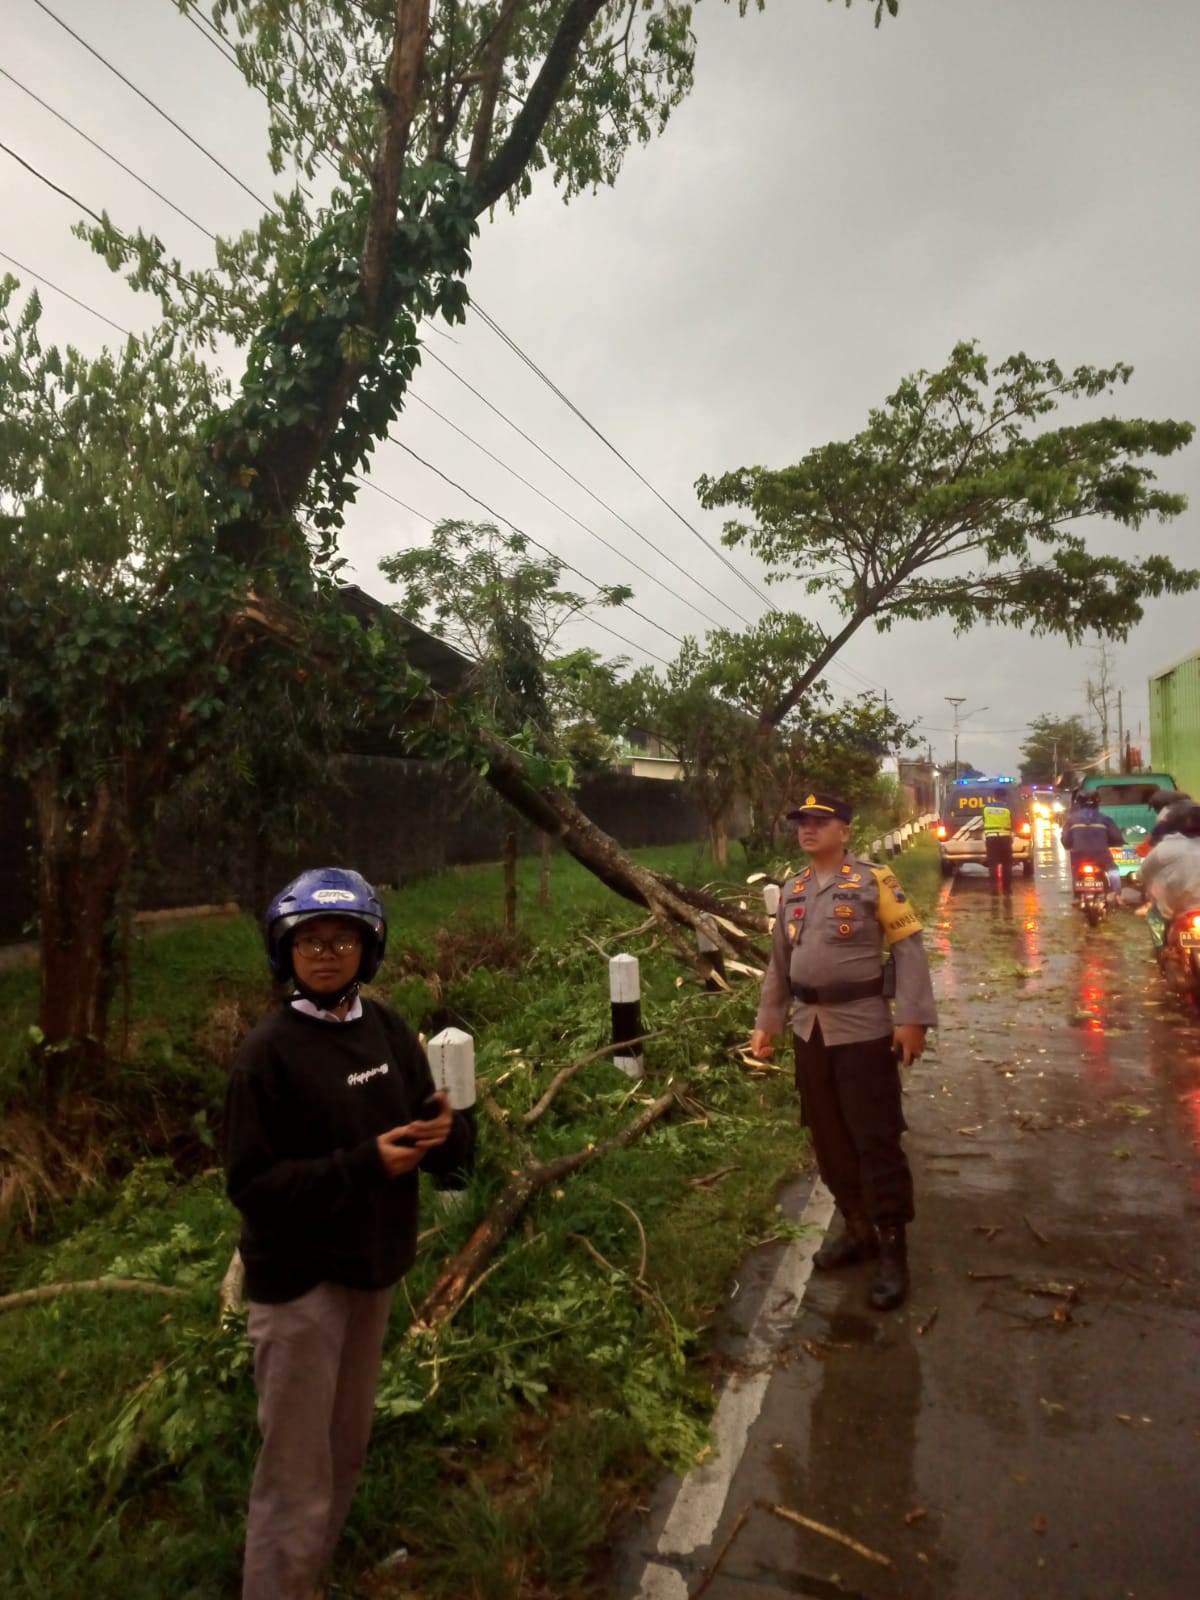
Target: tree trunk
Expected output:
[675,905]
[85,852]
[544,873]
[718,841]
[510,881]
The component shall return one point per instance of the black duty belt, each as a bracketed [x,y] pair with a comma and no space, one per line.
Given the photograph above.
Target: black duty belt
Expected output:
[833,994]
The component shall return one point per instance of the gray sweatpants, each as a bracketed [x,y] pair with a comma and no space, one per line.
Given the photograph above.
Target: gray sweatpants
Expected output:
[316,1367]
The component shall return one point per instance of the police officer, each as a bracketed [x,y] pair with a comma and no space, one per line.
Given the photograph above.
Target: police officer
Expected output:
[998,843]
[838,918]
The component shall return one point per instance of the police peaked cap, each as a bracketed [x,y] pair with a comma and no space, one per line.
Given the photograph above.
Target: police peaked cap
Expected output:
[820,806]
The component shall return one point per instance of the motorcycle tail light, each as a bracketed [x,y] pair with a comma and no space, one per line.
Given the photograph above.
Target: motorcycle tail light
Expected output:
[1087,869]
[941,830]
[1026,828]
[1193,922]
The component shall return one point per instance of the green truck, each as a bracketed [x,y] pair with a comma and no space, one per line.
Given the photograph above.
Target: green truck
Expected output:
[1175,721]
[1125,797]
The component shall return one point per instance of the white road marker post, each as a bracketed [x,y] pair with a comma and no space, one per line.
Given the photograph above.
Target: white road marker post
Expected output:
[625,996]
[452,1062]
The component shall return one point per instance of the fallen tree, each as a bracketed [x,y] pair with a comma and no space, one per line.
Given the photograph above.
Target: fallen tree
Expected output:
[460,1274]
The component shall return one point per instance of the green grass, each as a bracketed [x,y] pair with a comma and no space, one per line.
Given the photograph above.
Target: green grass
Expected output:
[505,1443]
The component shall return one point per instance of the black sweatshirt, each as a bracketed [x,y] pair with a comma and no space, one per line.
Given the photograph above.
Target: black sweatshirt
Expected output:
[305,1103]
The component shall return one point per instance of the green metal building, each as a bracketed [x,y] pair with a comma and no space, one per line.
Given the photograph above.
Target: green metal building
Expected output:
[1175,722]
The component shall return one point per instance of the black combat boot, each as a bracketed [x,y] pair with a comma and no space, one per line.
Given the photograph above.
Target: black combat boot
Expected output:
[890,1286]
[856,1242]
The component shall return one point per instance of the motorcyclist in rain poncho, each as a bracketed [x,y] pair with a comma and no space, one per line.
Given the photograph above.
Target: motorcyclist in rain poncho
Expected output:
[1171,872]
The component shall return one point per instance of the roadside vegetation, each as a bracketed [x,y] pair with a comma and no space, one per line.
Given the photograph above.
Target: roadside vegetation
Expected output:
[510,1438]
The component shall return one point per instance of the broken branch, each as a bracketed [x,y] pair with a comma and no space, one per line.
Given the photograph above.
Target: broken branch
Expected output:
[715,1565]
[830,1533]
[567,1073]
[232,1293]
[455,1280]
[52,1291]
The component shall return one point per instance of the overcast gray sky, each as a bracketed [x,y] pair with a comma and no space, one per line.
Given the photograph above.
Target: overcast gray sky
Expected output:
[832,208]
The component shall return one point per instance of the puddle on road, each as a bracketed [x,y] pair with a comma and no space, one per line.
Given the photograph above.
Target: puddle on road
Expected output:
[1051,1004]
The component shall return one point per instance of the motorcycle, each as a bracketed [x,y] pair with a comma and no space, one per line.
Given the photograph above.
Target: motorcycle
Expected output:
[1091,892]
[1179,956]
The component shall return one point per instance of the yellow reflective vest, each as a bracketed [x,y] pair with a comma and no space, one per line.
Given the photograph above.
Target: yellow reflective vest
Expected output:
[997,822]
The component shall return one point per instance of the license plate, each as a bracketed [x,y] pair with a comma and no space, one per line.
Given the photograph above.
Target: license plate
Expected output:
[1088,886]
[1190,939]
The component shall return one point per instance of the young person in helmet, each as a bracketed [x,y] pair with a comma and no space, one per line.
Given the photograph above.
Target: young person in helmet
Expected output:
[329,1112]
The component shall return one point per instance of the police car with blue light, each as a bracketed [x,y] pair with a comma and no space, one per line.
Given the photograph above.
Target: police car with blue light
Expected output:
[960,823]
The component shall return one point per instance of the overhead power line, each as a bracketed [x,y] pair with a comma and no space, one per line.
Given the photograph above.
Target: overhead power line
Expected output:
[369,483]
[446,478]
[183,281]
[154,106]
[45,282]
[209,34]
[588,423]
[562,511]
[495,409]
[214,38]
[87,138]
[217,41]
[365,482]
[49,182]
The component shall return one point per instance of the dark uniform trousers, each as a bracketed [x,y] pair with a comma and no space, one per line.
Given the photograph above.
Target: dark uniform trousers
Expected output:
[999,849]
[850,1103]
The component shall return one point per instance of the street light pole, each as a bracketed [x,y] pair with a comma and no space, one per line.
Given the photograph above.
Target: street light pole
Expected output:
[954,701]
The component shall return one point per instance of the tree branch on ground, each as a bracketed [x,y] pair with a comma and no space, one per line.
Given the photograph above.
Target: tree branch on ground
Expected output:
[455,1280]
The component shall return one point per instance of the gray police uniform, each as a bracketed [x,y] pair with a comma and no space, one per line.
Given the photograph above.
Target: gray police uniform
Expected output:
[827,960]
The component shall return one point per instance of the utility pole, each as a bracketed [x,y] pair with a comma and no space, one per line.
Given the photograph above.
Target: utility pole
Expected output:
[1122,763]
[954,701]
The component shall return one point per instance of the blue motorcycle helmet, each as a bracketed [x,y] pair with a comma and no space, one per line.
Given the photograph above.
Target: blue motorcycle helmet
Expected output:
[325,892]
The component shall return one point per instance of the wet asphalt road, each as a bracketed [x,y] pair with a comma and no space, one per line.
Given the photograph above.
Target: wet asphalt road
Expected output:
[1029,1424]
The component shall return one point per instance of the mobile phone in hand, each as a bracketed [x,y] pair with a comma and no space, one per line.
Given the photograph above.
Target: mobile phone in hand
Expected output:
[429,1108]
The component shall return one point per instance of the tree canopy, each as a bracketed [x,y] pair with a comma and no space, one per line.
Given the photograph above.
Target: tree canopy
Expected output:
[956,500]
[710,708]
[1056,746]
[482,590]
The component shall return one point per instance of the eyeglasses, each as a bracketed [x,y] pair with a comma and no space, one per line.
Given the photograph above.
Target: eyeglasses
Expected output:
[311,947]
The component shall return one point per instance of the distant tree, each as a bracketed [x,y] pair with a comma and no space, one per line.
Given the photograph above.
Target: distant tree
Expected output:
[956,501]
[1101,694]
[504,607]
[502,604]
[707,708]
[1057,745]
